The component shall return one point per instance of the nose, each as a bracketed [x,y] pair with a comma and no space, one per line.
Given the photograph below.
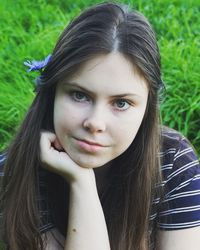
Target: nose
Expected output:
[95,121]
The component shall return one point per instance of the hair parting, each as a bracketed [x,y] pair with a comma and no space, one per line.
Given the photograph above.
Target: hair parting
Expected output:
[101,29]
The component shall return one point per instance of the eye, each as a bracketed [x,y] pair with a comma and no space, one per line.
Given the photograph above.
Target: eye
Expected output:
[122,104]
[79,96]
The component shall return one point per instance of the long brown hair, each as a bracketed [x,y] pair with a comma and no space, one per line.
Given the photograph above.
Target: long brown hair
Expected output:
[127,201]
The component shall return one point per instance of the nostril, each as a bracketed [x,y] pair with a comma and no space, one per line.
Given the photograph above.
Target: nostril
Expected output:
[93,125]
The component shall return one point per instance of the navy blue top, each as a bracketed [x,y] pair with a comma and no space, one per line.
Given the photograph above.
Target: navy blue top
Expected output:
[179,208]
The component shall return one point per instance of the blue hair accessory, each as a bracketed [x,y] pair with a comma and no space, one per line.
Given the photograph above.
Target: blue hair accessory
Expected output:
[37,65]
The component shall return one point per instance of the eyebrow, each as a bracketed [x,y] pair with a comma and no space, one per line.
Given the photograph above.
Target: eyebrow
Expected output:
[92,93]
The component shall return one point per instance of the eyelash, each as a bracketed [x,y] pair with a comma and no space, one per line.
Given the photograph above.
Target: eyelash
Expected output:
[73,95]
[125,101]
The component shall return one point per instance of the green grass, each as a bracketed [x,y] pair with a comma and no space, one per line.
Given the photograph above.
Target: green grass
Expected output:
[29,30]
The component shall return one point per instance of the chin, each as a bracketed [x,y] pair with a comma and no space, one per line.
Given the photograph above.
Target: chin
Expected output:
[87,165]
[90,164]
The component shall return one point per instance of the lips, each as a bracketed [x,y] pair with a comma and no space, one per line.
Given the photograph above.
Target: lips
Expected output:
[91,143]
[89,146]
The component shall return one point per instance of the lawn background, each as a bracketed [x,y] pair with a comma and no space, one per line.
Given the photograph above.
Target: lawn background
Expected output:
[29,29]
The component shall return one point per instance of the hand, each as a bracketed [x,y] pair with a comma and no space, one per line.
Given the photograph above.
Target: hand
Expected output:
[55,159]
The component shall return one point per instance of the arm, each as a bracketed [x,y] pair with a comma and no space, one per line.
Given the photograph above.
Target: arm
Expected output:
[179,239]
[86,227]
[86,224]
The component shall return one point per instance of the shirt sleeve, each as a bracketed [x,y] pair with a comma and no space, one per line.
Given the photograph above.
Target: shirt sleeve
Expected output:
[180,205]
[43,202]
[2,160]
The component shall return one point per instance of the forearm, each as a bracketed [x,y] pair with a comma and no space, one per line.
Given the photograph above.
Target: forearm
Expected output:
[86,225]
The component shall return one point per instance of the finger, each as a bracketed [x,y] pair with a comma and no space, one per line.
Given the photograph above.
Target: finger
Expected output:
[57,144]
[47,138]
[46,141]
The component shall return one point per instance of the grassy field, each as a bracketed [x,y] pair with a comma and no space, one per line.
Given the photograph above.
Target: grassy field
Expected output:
[29,30]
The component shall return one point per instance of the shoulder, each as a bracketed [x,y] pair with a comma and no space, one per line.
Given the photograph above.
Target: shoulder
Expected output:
[41,196]
[173,141]
[2,159]
[180,205]
[177,155]
[2,162]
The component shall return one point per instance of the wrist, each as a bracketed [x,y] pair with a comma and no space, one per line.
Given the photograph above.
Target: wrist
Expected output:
[85,178]
[86,183]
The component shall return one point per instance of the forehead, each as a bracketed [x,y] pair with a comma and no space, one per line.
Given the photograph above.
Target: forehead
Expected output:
[111,73]
[109,63]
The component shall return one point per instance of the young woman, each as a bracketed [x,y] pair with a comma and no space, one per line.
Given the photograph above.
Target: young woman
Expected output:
[91,167]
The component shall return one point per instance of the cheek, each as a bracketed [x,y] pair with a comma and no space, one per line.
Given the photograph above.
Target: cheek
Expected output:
[127,131]
[66,117]
[125,138]
[60,116]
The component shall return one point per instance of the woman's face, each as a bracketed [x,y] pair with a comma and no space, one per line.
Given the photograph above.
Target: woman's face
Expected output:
[97,112]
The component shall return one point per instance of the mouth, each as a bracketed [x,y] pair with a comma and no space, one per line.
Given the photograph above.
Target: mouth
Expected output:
[92,143]
[89,146]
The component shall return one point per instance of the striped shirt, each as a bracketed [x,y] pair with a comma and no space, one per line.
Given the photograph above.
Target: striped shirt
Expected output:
[179,207]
